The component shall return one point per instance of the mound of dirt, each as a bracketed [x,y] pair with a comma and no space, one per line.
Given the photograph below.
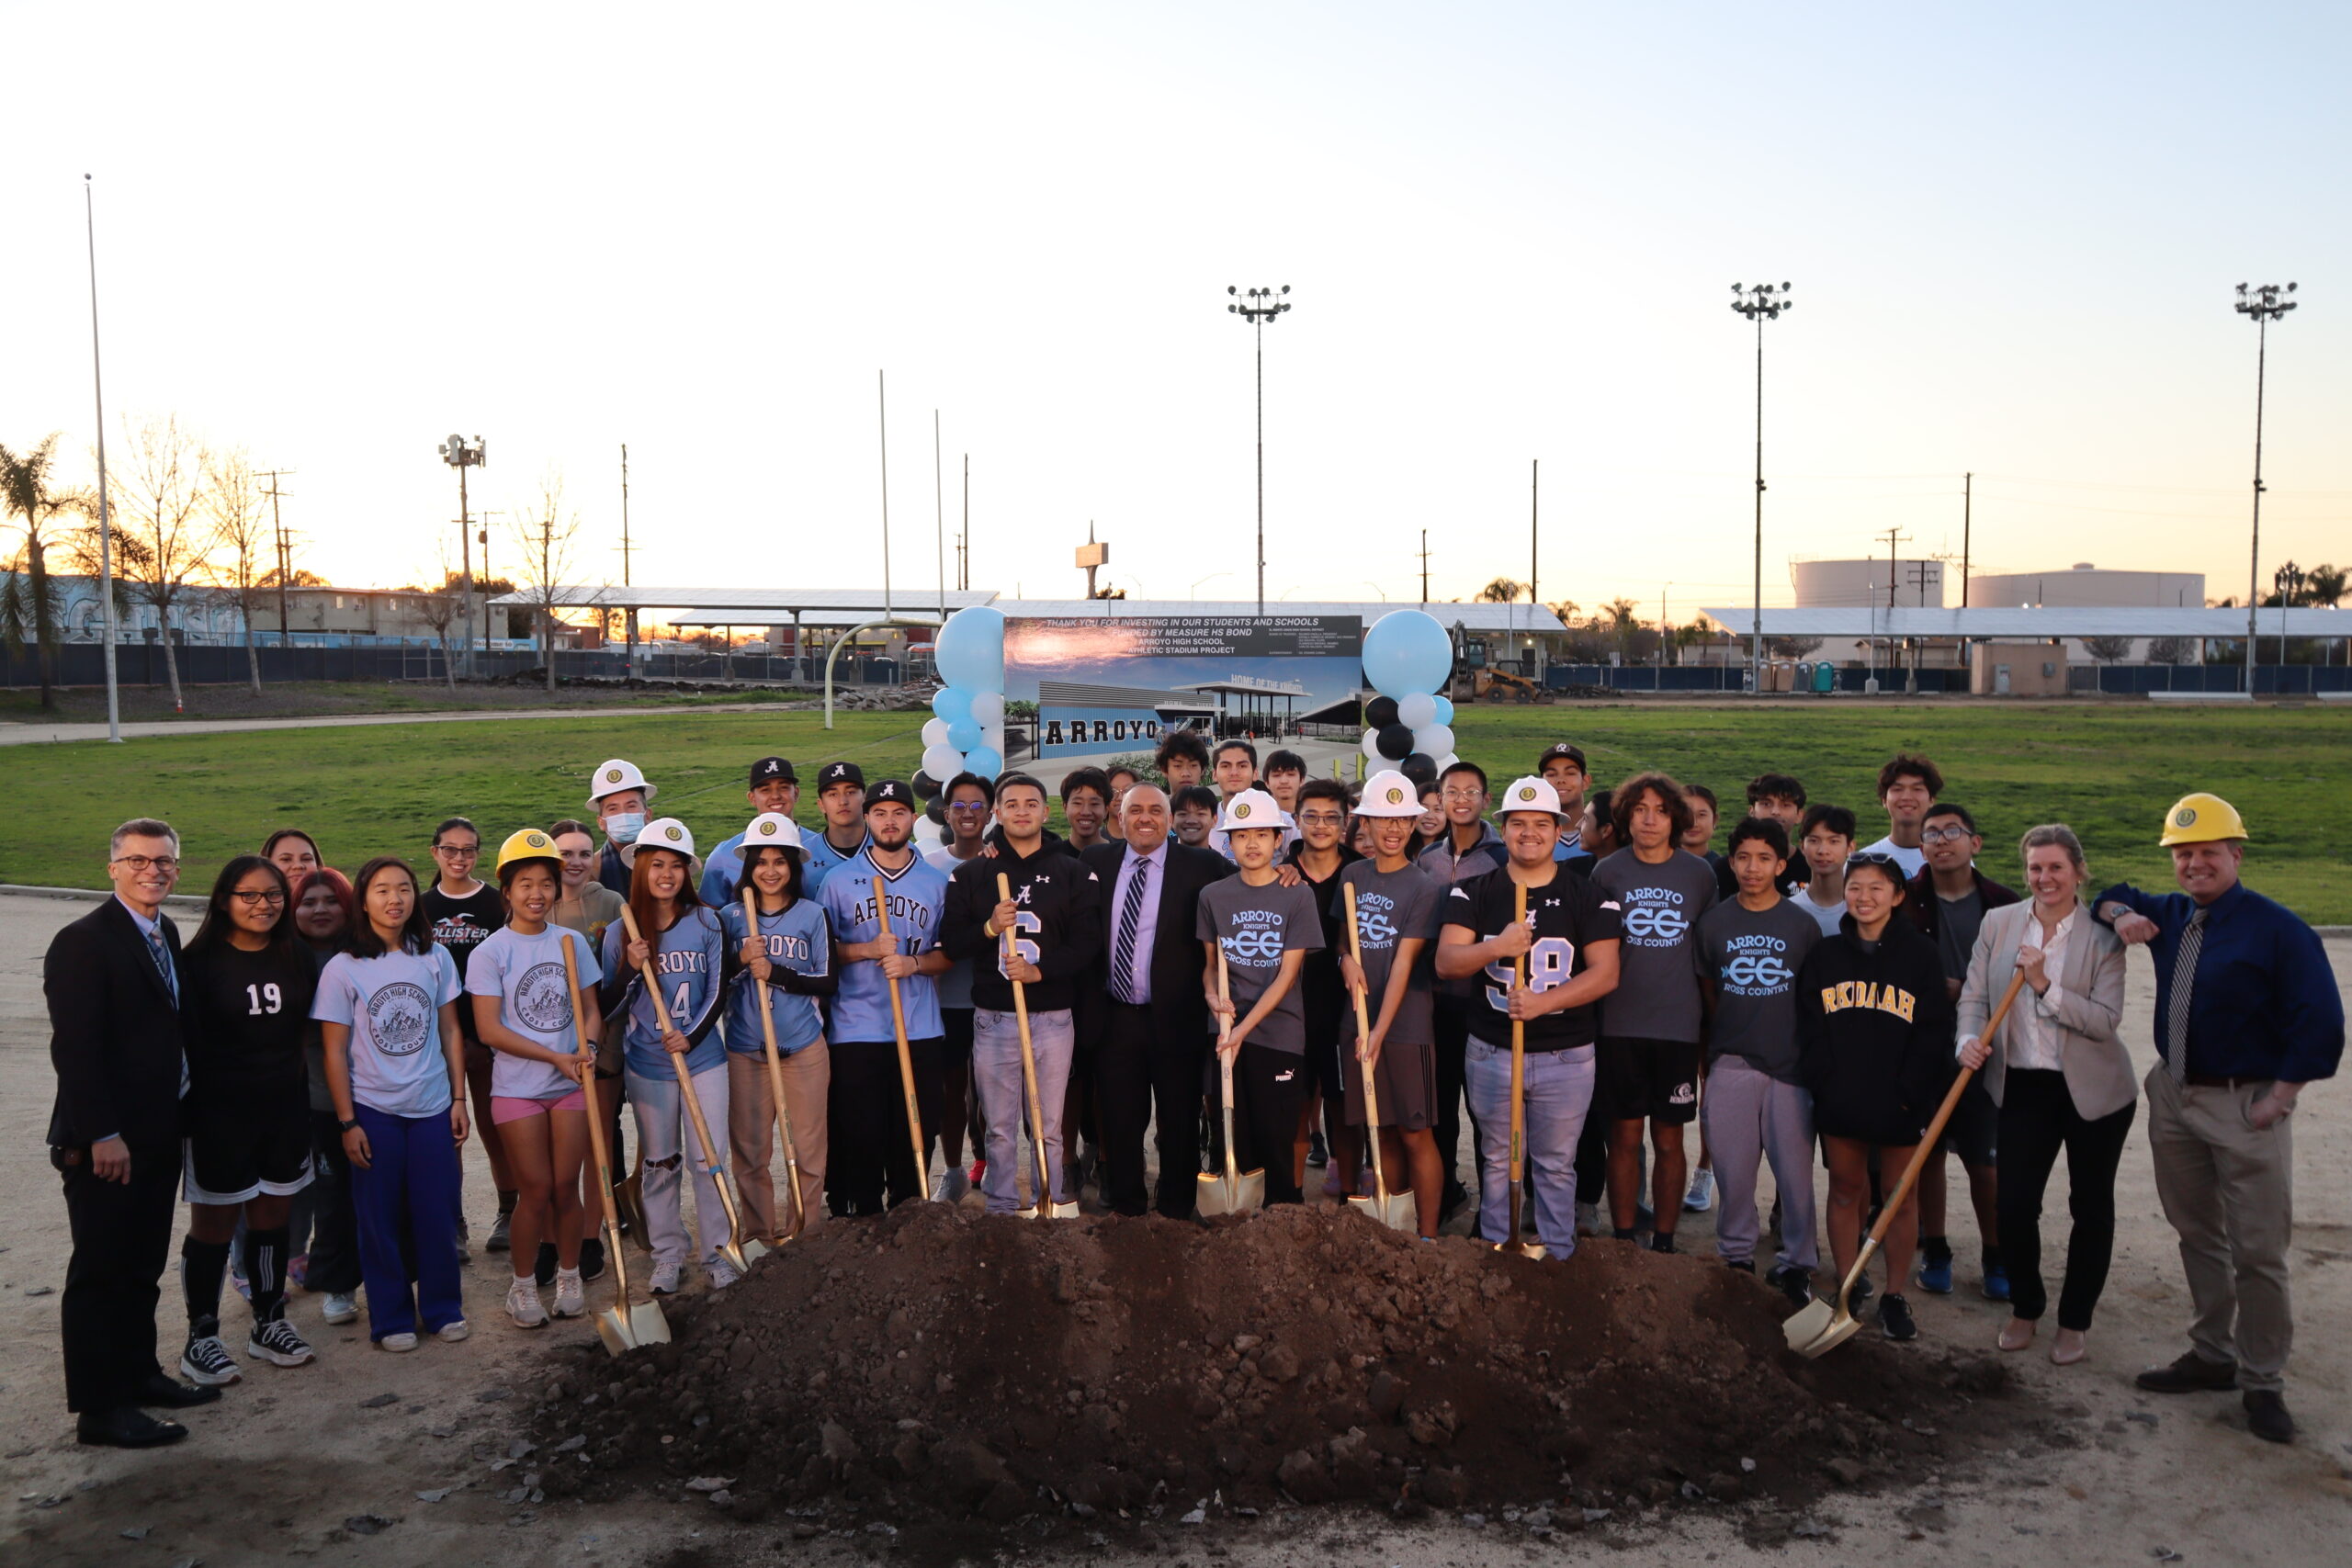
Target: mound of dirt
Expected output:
[947,1369]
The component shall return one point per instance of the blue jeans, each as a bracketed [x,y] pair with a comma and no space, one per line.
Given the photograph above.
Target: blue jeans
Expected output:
[1558,1091]
[1004,1099]
[410,1188]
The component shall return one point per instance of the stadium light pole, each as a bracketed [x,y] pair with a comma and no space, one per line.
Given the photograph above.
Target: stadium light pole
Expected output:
[461,454]
[1760,302]
[1258,307]
[105,513]
[2266,303]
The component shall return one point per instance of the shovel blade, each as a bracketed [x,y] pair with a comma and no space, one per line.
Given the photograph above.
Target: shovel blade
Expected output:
[646,1323]
[734,1254]
[1062,1210]
[754,1249]
[1395,1211]
[614,1331]
[1819,1326]
[1215,1196]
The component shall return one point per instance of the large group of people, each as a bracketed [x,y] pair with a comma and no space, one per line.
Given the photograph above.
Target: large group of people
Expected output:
[307,1067]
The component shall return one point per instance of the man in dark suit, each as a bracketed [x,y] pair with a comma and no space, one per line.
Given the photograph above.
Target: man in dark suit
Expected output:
[1153,1029]
[113,983]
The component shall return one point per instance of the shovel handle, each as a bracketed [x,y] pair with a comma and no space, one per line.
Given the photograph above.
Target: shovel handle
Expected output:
[1028,1062]
[596,1129]
[1364,1069]
[1935,1127]
[906,1057]
[1518,1051]
[775,1067]
[718,1177]
[1225,1067]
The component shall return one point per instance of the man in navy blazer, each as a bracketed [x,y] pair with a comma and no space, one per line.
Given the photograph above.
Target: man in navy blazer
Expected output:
[113,984]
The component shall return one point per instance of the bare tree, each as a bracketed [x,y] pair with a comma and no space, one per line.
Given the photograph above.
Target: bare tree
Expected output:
[160,481]
[2168,651]
[443,608]
[545,534]
[2107,649]
[30,604]
[242,543]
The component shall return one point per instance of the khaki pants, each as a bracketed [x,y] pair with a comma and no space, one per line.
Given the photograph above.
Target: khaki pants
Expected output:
[750,1132]
[2228,1188]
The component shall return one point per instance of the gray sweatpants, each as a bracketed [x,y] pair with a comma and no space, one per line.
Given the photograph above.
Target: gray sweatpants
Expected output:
[1751,1117]
[1004,1100]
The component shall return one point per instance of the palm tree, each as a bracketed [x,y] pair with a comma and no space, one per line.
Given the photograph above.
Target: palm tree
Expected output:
[2325,584]
[1501,590]
[28,601]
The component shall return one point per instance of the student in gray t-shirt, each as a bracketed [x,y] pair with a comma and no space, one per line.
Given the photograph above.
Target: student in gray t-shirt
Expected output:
[1264,931]
[1650,1024]
[1395,908]
[1750,951]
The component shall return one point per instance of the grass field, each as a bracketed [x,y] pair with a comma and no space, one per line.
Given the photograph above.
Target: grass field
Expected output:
[2111,771]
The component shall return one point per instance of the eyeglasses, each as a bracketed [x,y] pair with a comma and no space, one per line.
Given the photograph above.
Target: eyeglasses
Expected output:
[1322,818]
[1453,794]
[148,862]
[1944,835]
[267,898]
[967,806]
[1884,861]
[455,852]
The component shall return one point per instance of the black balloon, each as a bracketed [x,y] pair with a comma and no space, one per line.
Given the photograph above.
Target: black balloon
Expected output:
[1380,713]
[1395,740]
[925,785]
[936,811]
[1421,768]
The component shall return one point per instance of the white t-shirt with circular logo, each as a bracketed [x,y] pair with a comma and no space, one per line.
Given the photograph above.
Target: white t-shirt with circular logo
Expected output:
[391,1004]
[526,974]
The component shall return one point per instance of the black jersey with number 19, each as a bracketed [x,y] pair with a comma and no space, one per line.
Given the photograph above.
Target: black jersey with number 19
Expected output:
[1568,914]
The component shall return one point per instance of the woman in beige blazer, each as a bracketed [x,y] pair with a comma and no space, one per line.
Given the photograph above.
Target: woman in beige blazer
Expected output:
[2062,1077]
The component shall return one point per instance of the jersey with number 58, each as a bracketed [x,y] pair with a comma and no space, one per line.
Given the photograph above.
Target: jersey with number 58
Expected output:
[1566,915]
[688,961]
[1057,906]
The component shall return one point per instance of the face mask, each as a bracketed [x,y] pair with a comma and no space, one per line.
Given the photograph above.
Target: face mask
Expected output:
[623,827]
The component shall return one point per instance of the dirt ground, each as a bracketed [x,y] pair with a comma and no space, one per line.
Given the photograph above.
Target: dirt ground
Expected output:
[446,1455]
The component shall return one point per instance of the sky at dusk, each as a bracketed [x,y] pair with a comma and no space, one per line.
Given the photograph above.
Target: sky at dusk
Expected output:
[334,235]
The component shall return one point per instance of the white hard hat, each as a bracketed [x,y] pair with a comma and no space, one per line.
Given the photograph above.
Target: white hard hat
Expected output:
[667,833]
[1531,794]
[616,774]
[1389,794]
[1255,808]
[772,828]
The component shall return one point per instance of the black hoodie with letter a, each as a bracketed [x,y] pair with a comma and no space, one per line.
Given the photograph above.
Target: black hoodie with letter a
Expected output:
[1874,1034]
[1060,910]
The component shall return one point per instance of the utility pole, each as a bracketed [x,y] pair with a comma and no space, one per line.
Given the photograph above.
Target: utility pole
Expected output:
[629,614]
[1759,303]
[1918,581]
[277,533]
[882,397]
[481,537]
[939,524]
[1894,537]
[1264,305]
[1534,475]
[2265,303]
[1425,569]
[1967,510]
[106,514]
[964,538]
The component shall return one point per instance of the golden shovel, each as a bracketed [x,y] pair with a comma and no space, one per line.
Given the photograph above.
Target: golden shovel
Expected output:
[625,1325]
[1395,1210]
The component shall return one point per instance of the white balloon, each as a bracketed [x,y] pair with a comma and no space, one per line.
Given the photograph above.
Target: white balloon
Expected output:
[1372,747]
[942,763]
[1446,762]
[1435,740]
[934,733]
[989,708]
[928,834]
[1417,711]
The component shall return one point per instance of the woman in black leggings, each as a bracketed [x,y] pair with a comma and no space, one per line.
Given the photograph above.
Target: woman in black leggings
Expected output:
[2060,1075]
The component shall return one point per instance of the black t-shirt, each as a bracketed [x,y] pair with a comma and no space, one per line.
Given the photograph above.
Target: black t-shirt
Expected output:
[461,925]
[1569,914]
[250,1016]
[1321,989]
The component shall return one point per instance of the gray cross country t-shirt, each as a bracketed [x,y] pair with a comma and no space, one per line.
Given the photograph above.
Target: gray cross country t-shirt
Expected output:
[1657,977]
[1390,907]
[1255,927]
[1754,958]
[1957,922]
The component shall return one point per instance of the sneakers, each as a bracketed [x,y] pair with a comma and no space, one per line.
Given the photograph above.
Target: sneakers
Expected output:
[465,1239]
[543,1265]
[342,1306]
[1745,1265]
[207,1362]
[1701,1196]
[1661,1241]
[949,1187]
[1588,1219]
[2190,1374]
[277,1342]
[2266,1417]
[1863,1292]
[398,1344]
[1894,1317]
[450,1333]
[723,1273]
[1934,1275]
[979,1169]
[664,1282]
[591,1258]
[1793,1283]
[523,1303]
[1996,1282]
[498,1232]
[570,1301]
[1318,1153]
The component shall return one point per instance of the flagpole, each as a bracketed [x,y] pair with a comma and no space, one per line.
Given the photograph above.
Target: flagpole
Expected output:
[106,531]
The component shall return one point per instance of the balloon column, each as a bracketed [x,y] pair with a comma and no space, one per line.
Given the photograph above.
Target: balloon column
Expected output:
[1406,657]
[965,733]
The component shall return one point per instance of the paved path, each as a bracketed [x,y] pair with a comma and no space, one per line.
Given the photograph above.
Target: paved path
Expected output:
[37,733]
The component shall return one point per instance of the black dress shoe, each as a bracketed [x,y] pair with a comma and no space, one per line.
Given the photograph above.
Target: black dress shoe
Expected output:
[170,1393]
[2192,1373]
[129,1427]
[2266,1417]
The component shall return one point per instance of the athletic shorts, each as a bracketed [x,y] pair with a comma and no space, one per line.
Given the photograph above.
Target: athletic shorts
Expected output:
[955,1034]
[1973,1131]
[1655,1080]
[242,1150]
[505,1108]
[1323,1067]
[1404,1080]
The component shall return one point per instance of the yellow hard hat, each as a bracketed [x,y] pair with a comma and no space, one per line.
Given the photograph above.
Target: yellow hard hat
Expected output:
[528,844]
[2200,819]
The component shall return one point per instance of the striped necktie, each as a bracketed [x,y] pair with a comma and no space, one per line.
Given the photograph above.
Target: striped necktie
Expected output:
[2184,981]
[1123,963]
[162,956]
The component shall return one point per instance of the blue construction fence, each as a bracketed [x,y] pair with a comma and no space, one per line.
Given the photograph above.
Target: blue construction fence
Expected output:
[2084,680]
[206,664]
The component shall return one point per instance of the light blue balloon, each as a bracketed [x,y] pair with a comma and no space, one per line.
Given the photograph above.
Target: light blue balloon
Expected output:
[971,650]
[984,760]
[952,704]
[1445,710]
[964,734]
[1406,651]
